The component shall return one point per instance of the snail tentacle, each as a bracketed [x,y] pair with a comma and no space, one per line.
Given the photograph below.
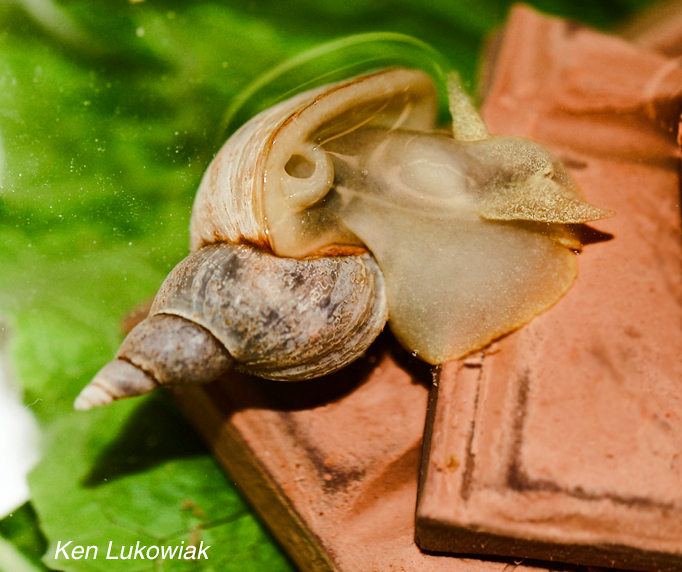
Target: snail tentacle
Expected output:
[467,124]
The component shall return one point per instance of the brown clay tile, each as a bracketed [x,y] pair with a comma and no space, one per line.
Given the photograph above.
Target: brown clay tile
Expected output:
[563,441]
[331,465]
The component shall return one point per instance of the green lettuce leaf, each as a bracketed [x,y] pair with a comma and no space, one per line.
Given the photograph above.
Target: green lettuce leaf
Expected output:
[138,473]
[22,543]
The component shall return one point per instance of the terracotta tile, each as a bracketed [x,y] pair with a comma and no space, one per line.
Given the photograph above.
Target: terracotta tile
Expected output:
[563,441]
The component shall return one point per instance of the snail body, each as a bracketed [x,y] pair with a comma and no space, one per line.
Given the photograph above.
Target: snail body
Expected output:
[342,208]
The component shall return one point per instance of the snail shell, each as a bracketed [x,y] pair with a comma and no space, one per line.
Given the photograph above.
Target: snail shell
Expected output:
[278,318]
[279,304]
[243,196]
[343,207]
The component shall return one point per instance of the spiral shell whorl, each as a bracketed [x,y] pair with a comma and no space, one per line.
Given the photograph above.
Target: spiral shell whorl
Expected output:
[279,318]
[230,205]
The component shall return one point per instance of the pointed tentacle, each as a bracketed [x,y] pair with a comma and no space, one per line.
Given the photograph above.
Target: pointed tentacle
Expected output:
[467,124]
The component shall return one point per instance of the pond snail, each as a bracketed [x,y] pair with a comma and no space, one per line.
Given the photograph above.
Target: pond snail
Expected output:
[344,207]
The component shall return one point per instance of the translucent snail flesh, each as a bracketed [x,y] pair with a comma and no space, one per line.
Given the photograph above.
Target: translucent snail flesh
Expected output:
[343,207]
